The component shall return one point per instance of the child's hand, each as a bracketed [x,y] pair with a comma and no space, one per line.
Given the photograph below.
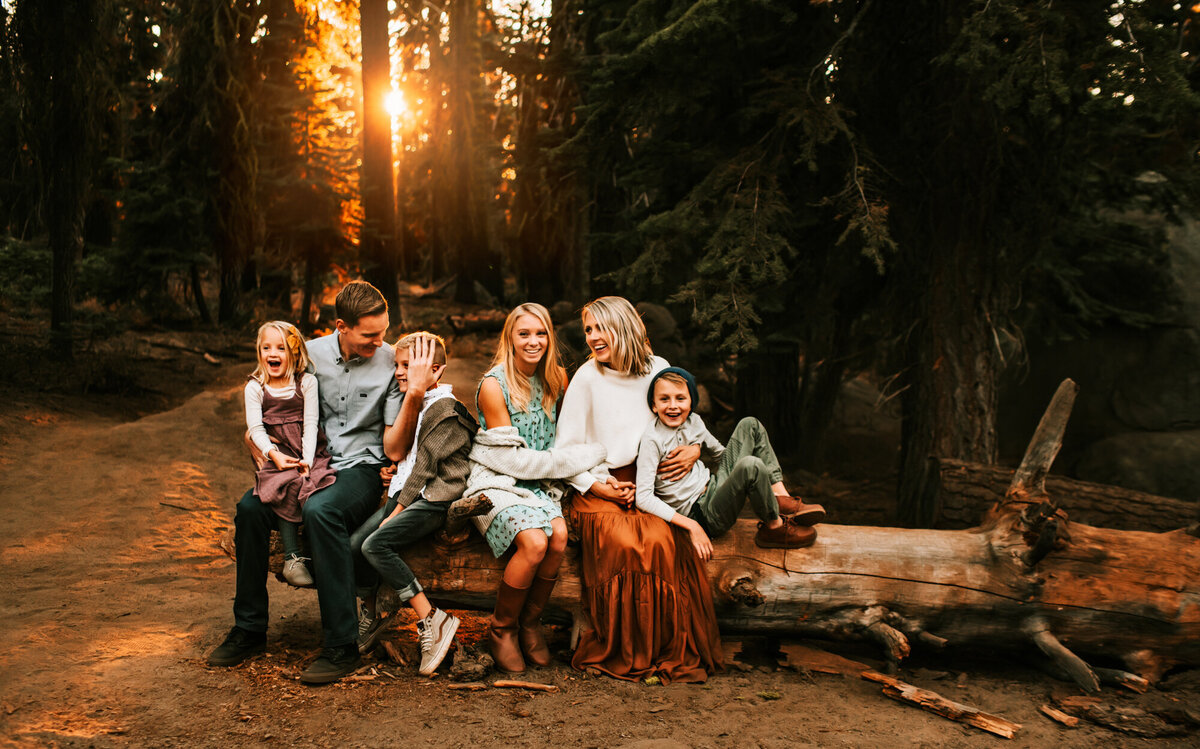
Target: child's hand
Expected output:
[387,472]
[302,467]
[676,464]
[422,372]
[388,519]
[283,462]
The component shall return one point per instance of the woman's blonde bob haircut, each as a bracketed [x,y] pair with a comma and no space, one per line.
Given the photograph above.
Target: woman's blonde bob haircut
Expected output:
[631,350]
[549,370]
[297,351]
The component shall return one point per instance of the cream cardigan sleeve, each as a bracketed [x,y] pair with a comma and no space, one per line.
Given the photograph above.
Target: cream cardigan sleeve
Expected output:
[575,423]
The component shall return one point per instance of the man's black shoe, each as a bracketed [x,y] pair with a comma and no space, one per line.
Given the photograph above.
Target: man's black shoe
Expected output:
[333,664]
[238,646]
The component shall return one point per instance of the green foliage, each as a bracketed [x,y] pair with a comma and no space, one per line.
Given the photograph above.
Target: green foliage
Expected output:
[24,275]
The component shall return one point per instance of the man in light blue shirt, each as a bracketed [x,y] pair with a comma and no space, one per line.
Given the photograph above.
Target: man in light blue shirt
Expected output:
[359,397]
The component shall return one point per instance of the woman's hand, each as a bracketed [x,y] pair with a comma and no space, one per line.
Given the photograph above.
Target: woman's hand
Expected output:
[302,467]
[700,540]
[617,492]
[283,462]
[676,464]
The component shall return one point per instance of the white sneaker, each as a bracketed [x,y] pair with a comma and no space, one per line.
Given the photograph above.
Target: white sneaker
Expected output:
[436,632]
[296,573]
[370,627]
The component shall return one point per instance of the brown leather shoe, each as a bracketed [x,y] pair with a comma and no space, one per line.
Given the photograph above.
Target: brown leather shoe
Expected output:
[804,514]
[787,536]
[502,632]
[533,641]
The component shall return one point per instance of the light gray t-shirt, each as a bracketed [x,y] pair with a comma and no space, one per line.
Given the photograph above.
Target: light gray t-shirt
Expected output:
[655,494]
[359,397]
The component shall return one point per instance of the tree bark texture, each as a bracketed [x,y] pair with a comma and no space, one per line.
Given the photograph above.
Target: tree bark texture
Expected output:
[962,492]
[949,401]
[378,244]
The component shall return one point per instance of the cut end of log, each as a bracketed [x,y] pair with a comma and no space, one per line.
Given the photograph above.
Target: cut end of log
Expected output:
[744,592]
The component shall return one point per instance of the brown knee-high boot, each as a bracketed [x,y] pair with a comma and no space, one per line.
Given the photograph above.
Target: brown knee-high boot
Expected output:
[502,632]
[533,642]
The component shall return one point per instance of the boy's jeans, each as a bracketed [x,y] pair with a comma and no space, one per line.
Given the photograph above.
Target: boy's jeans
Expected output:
[747,470]
[381,545]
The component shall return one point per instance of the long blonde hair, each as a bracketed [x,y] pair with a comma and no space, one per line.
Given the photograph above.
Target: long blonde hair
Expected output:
[297,351]
[549,370]
[631,350]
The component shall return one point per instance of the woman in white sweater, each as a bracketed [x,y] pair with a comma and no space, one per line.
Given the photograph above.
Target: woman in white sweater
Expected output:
[646,592]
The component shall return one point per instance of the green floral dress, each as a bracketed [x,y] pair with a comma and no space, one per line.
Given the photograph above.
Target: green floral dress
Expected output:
[537,428]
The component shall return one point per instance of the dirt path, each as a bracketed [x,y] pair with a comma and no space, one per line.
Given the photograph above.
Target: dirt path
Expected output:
[114,591]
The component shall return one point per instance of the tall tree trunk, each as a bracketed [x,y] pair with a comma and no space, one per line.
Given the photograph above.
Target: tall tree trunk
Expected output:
[233,209]
[377,251]
[476,262]
[56,42]
[949,396]
[768,389]
[310,251]
[198,295]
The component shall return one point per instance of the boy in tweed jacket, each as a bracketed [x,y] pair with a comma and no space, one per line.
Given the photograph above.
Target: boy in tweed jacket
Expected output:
[430,474]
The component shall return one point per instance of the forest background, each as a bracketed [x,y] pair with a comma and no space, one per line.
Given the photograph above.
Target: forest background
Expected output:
[921,191]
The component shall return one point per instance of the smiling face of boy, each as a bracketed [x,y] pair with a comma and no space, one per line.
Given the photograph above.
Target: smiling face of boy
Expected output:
[672,403]
[403,357]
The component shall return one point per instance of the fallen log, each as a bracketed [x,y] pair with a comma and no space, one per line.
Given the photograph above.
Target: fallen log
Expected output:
[964,491]
[1027,579]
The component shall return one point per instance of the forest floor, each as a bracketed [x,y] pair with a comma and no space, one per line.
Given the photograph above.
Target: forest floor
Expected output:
[119,475]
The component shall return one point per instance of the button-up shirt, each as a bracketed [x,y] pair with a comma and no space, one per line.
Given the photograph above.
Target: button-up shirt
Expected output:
[359,397]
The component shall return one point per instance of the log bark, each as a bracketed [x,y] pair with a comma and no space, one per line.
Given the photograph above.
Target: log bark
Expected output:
[965,491]
[1109,593]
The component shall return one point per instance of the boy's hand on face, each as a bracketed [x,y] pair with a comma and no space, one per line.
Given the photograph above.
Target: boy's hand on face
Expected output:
[422,372]
[677,463]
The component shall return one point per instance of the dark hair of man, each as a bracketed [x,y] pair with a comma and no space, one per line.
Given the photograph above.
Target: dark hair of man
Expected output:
[356,300]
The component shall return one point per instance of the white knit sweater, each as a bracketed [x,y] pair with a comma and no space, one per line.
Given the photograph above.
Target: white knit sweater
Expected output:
[499,458]
[605,407]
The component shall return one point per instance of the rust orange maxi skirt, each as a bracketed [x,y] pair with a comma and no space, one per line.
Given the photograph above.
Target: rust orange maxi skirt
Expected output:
[646,593]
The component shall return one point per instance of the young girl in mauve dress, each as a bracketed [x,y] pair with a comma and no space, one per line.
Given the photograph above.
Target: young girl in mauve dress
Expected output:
[282,409]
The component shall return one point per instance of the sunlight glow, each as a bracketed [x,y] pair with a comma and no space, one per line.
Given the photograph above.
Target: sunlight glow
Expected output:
[395,103]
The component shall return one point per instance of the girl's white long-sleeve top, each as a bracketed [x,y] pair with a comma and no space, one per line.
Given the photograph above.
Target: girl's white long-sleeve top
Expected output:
[312,412]
[604,407]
